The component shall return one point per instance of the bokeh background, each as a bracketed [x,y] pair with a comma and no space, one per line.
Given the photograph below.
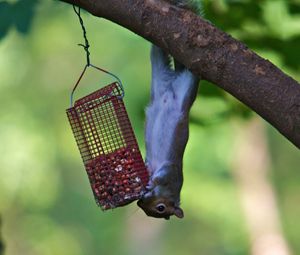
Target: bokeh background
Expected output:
[241,193]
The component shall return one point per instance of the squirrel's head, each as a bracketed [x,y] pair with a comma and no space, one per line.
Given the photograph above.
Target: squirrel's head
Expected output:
[158,203]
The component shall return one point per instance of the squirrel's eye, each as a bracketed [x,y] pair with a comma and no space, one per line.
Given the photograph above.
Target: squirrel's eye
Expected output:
[160,208]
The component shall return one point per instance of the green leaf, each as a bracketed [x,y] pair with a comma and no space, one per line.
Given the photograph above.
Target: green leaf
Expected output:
[6,18]
[23,14]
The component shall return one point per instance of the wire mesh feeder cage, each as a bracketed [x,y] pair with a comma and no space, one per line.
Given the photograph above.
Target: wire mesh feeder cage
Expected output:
[108,147]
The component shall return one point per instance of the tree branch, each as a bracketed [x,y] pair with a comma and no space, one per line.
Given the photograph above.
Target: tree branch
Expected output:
[211,54]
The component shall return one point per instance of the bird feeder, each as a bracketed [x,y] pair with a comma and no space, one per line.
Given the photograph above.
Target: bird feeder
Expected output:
[108,147]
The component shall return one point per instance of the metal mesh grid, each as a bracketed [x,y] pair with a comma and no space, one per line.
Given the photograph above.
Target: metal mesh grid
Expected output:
[108,147]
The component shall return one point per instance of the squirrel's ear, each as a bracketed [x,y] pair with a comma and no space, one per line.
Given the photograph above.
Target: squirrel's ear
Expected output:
[178,212]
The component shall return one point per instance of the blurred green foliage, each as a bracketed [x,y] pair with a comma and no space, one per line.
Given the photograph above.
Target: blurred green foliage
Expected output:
[1,242]
[46,202]
[18,14]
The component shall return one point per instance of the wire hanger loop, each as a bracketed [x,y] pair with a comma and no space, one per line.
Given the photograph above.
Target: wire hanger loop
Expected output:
[86,47]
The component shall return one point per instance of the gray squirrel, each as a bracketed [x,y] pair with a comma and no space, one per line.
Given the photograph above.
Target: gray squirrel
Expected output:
[167,127]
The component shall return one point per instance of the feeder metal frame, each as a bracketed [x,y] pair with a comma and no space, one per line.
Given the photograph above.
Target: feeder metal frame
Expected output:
[101,127]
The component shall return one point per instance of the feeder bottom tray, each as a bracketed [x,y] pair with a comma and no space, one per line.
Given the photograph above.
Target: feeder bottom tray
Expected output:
[115,179]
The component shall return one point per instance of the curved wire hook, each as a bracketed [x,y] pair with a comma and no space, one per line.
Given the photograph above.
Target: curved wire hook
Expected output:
[86,48]
[102,70]
[113,75]
[73,90]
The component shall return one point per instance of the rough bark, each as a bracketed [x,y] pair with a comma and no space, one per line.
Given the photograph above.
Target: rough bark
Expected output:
[211,54]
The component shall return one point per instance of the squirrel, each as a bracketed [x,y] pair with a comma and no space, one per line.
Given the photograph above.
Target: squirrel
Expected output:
[166,134]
